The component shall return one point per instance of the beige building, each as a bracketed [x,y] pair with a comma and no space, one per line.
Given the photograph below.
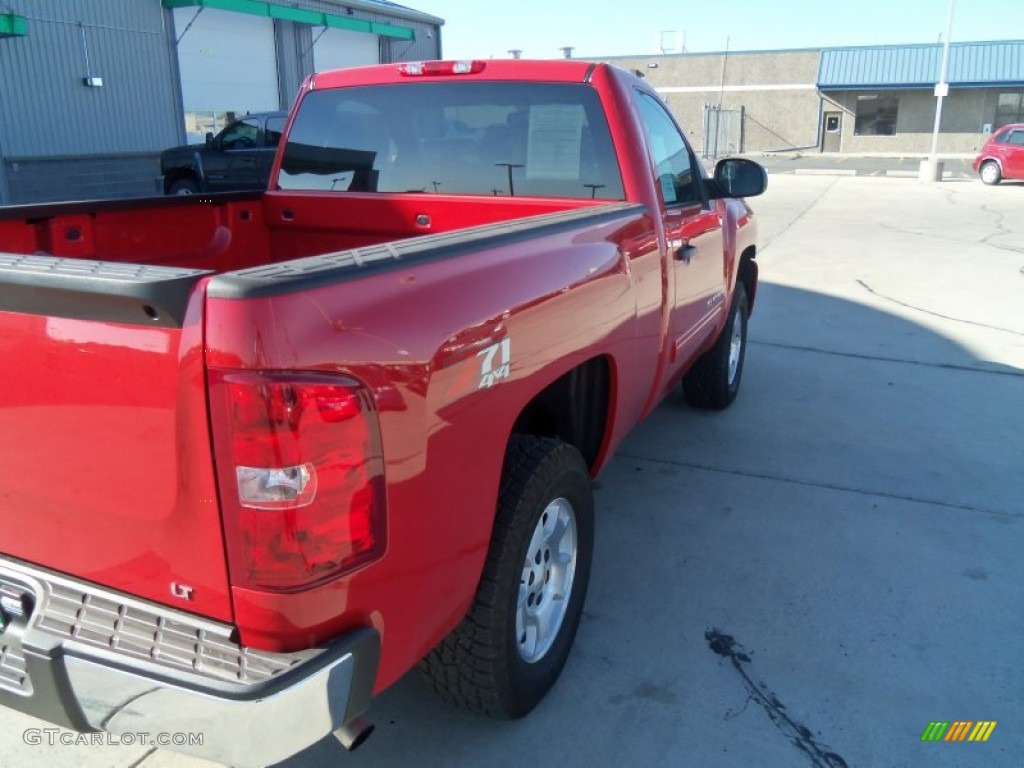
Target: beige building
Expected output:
[865,100]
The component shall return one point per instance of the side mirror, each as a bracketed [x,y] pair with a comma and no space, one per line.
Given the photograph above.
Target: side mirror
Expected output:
[209,138]
[737,177]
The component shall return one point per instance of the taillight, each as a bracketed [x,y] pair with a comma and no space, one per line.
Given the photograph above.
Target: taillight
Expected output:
[301,476]
[435,68]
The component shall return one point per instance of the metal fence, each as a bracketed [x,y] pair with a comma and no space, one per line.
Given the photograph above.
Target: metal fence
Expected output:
[723,131]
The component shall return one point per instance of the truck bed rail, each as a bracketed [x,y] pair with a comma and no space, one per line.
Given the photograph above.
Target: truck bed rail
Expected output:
[96,290]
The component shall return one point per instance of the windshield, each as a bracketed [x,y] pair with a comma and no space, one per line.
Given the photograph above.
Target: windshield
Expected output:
[518,139]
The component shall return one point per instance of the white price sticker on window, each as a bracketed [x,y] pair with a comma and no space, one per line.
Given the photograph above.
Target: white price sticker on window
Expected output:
[555,141]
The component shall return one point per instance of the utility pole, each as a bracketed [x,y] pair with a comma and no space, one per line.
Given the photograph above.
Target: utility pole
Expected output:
[931,169]
[567,51]
[942,89]
[516,53]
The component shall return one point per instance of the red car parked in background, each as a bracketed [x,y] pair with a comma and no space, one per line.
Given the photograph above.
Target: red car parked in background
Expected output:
[1002,157]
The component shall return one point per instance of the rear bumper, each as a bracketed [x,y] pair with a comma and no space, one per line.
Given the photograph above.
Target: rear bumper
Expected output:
[93,660]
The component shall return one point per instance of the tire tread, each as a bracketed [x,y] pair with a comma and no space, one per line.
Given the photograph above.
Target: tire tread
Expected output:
[467,668]
[706,384]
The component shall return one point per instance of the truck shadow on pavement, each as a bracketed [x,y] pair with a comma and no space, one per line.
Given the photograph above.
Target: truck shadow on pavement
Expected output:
[853,521]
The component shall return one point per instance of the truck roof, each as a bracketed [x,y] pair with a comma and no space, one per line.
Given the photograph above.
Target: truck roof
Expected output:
[556,70]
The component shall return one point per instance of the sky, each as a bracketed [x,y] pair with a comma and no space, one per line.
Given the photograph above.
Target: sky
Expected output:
[485,29]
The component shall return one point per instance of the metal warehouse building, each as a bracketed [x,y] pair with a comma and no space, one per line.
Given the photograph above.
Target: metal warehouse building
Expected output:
[94,89]
[862,100]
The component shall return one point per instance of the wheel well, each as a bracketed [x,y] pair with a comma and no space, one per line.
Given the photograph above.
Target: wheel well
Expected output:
[748,276]
[573,408]
[170,181]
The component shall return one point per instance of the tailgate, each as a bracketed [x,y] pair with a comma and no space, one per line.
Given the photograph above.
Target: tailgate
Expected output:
[106,471]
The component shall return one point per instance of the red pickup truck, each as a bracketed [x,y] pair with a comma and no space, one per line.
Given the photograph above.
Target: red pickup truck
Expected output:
[265,452]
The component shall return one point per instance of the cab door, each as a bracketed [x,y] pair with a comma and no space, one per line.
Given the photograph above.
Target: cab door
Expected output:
[271,138]
[1013,155]
[236,165]
[693,232]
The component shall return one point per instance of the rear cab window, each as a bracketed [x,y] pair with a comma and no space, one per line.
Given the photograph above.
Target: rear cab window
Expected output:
[478,138]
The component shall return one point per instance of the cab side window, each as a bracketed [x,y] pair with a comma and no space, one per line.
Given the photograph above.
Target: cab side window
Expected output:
[677,174]
[241,135]
[275,127]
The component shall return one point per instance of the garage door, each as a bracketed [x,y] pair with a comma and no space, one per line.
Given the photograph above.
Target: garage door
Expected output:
[228,65]
[339,48]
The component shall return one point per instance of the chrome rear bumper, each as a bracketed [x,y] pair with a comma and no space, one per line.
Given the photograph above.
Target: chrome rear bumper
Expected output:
[90,659]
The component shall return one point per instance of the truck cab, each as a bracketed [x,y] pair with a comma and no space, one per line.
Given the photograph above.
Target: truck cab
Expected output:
[237,158]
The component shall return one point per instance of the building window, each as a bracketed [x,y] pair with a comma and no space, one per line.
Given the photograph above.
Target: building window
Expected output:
[876,115]
[1009,109]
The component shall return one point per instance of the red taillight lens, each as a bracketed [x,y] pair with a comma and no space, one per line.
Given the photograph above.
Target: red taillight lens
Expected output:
[436,68]
[301,476]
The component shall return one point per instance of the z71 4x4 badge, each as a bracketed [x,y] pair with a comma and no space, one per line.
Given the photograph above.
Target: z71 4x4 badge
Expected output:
[496,364]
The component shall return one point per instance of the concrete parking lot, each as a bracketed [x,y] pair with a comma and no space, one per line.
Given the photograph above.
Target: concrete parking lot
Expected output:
[815,575]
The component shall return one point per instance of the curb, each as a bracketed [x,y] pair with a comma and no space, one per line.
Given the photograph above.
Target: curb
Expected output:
[824,172]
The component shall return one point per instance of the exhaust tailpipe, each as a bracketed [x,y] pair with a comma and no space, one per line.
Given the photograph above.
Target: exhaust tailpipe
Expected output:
[353,734]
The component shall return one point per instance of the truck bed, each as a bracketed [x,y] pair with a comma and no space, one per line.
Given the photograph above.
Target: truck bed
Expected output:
[108,403]
[232,231]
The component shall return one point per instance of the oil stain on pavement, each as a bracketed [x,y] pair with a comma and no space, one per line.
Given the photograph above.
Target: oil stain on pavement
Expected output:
[799,734]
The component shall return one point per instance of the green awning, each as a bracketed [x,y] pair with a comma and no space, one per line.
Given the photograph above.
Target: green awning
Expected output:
[299,16]
[12,25]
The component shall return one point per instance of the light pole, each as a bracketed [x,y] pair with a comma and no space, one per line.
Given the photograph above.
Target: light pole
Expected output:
[931,169]
[721,98]
[510,166]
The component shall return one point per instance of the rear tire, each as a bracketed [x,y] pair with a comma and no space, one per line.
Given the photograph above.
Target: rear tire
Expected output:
[184,187]
[714,380]
[990,173]
[510,649]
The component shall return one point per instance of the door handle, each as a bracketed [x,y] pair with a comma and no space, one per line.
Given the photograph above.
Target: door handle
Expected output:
[685,252]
